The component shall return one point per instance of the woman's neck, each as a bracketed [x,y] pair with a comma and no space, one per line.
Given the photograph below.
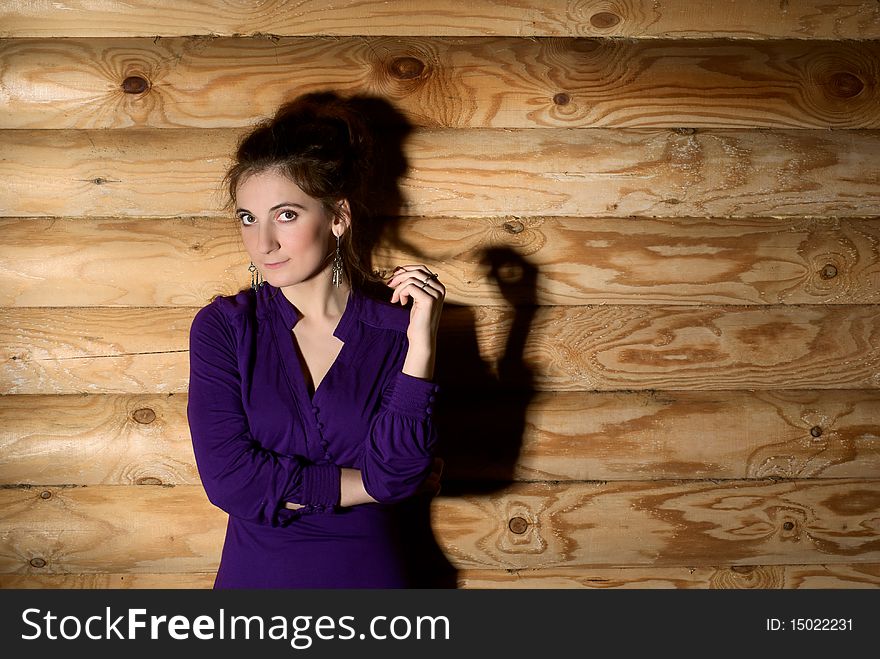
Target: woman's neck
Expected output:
[317,300]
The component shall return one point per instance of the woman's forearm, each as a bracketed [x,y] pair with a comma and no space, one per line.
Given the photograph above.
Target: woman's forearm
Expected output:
[419,362]
[351,487]
[351,490]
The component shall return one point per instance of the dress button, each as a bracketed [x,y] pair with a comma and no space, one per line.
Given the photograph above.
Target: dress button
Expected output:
[429,409]
[315,409]
[431,399]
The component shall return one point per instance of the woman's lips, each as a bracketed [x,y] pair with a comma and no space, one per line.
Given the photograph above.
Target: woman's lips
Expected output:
[275,265]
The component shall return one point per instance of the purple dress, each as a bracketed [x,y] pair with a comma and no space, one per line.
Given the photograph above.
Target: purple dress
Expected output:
[260,439]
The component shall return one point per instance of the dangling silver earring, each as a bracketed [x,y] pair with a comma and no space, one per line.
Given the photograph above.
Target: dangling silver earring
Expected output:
[256,277]
[336,272]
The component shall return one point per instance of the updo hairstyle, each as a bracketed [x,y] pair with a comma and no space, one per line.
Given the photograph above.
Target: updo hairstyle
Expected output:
[321,143]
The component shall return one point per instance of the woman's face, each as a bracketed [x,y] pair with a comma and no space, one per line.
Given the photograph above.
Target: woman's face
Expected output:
[288,234]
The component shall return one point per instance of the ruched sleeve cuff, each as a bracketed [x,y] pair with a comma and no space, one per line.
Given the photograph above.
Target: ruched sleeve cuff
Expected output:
[321,483]
[317,492]
[413,396]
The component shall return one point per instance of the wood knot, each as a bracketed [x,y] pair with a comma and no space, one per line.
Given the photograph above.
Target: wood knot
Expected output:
[604,20]
[518,525]
[513,227]
[743,569]
[45,494]
[561,98]
[37,562]
[828,272]
[135,85]
[148,480]
[99,181]
[406,68]
[816,431]
[684,131]
[845,85]
[788,526]
[144,415]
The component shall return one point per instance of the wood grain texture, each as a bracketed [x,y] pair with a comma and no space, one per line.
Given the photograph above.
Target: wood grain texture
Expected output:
[604,347]
[471,173]
[97,580]
[104,262]
[859,575]
[150,529]
[554,436]
[802,19]
[482,261]
[559,260]
[703,577]
[442,82]
[663,523]
[109,529]
[91,440]
[95,350]
[691,403]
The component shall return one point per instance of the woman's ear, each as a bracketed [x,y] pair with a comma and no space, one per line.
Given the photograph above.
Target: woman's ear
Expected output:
[343,215]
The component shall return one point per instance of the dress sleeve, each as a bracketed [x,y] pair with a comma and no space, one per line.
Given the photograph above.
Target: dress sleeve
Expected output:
[403,435]
[238,474]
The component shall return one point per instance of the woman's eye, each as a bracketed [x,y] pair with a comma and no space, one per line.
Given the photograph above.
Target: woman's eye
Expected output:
[246,219]
[287,216]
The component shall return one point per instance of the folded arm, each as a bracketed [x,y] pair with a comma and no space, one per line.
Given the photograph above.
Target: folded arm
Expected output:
[238,474]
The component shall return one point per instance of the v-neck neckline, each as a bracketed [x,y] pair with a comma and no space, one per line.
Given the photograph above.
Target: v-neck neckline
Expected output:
[303,366]
[289,315]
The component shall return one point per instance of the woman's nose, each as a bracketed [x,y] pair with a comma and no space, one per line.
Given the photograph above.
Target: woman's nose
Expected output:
[267,241]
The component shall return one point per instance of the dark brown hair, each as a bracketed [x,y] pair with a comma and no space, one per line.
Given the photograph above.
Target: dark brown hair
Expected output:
[322,143]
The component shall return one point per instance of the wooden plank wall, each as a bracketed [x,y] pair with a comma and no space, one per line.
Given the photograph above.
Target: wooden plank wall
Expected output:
[658,226]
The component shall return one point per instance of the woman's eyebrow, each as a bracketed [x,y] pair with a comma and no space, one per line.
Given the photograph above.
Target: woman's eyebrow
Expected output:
[275,207]
[287,203]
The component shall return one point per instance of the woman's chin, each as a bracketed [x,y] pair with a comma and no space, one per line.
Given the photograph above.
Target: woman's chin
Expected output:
[278,280]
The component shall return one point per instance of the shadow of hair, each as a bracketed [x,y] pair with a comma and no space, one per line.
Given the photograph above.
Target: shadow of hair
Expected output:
[481,412]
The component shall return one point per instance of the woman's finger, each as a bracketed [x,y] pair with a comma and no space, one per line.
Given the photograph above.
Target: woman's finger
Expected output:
[412,285]
[419,271]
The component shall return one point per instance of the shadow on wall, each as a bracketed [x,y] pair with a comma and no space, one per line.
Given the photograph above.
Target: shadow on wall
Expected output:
[481,413]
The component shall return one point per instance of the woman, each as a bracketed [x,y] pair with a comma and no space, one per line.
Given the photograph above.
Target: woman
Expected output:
[311,402]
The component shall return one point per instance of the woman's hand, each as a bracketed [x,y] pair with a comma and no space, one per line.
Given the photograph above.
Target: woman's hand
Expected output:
[431,484]
[417,283]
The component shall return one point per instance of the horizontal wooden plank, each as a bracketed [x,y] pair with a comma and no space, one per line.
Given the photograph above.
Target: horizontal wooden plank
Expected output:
[95,350]
[775,577]
[801,19]
[472,173]
[103,262]
[150,529]
[482,261]
[434,81]
[662,523]
[858,575]
[96,439]
[98,580]
[486,349]
[560,436]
